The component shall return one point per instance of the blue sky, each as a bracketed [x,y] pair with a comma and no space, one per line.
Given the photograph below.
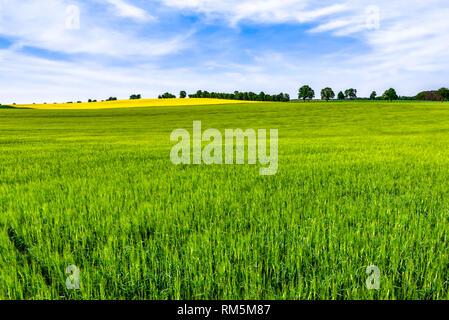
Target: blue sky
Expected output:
[67,50]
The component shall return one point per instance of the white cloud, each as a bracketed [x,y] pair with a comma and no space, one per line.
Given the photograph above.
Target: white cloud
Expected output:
[124,9]
[402,44]
[261,11]
[39,23]
[414,39]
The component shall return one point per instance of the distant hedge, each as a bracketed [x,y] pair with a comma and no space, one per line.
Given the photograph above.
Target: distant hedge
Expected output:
[246,96]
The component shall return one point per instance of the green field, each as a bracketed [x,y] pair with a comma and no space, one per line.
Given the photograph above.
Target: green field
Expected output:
[359,184]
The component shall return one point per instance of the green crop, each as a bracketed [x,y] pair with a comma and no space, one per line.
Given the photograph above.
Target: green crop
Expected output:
[358,184]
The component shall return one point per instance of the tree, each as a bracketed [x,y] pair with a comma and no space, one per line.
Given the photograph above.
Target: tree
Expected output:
[167,96]
[135,97]
[373,95]
[351,93]
[327,93]
[111,99]
[444,94]
[390,94]
[341,96]
[306,92]
[237,95]
[183,94]
[428,96]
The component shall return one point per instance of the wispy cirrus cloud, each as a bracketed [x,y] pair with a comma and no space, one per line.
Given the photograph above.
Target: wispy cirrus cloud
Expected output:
[259,11]
[401,42]
[127,10]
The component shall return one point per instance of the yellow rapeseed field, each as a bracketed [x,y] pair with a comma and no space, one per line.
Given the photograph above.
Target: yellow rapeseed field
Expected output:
[131,104]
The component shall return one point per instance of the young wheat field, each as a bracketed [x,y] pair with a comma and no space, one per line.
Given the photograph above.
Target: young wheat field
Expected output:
[358,184]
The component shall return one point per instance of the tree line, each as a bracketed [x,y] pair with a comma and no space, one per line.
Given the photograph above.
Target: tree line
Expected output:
[247,96]
[305,93]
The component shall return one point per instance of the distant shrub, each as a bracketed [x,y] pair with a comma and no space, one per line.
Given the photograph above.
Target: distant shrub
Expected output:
[428,96]
[341,96]
[167,95]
